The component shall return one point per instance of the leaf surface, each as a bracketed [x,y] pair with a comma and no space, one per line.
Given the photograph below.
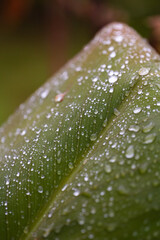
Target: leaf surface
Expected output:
[80,159]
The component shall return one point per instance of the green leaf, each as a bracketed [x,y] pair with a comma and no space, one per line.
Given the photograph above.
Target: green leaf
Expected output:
[81,158]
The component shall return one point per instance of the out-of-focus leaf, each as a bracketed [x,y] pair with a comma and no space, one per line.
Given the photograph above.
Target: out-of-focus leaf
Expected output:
[80,159]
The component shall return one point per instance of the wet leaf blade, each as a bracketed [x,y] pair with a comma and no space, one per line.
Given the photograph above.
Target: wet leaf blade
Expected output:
[79,156]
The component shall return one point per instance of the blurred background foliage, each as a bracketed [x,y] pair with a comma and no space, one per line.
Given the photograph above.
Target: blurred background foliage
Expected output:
[37,37]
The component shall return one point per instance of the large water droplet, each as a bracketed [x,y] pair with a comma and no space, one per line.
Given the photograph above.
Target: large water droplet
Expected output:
[148,127]
[134,128]
[149,138]
[143,71]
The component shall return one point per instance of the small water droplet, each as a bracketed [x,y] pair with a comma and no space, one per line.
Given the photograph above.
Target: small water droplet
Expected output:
[107,168]
[23,132]
[70,165]
[81,221]
[137,110]
[118,38]
[113,54]
[150,197]
[112,159]
[116,112]
[76,193]
[95,79]
[25,230]
[3,139]
[113,79]
[45,93]
[122,190]
[7,181]
[40,189]
[58,160]
[111,90]
[64,188]
[93,137]
[158,85]
[105,122]
[130,152]
[158,104]
[143,71]
[111,227]
[143,167]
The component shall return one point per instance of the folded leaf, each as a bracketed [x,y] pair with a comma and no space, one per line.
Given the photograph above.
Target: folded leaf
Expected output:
[81,158]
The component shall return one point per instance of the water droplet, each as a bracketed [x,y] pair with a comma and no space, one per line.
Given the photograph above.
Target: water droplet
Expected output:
[111,90]
[40,189]
[107,168]
[113,54]
[116,112]
[150,197]
[3,139]
[64,188]
[134,128]
[148,127]
[137,110]
[143,167]
[81,221]
[149,138]
[122,190]
[113,79]
[93,137]
[158,104]
[23,132]
[95,79]
[76,193]
[70,165]
[105,122]
[111,227]
[59,97]
[158,85]
[112,159]
[7,181]
[143,71]
[130,152]
[25,230]
[58,160]
[118,38]
[45,93]
[46,233]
